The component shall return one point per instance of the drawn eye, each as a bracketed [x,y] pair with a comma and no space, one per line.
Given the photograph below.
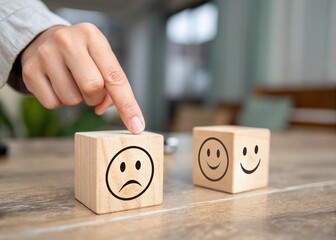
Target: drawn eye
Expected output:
[218,153]
[244,151]
[208,152]
[138,165]
[256,149]
[122,167]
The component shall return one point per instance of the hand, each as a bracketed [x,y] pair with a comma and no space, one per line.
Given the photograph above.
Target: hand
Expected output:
[65,65]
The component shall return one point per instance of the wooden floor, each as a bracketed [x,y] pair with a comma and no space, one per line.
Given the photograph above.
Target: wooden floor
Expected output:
[37,196]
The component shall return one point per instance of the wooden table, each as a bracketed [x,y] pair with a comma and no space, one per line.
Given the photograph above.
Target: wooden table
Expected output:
[37,196]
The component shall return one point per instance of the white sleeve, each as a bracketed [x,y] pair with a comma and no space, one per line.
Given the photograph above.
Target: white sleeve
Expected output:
[20,22]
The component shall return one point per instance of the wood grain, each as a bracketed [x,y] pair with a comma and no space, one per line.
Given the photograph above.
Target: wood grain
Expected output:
[116,170]
[37,196]
[231,158]
[268,216]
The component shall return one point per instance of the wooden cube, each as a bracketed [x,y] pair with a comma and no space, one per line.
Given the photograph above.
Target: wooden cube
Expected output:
[116,170]
[231,158]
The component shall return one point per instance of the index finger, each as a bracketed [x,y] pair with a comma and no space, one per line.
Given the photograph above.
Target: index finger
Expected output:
[116,84]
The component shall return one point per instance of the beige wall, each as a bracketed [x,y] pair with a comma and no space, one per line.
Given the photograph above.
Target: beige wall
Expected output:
[11,102]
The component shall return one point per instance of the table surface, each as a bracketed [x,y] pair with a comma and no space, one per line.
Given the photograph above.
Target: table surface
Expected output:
[37,196]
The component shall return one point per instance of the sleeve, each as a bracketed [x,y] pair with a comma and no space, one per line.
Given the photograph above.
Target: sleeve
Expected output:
[20,22]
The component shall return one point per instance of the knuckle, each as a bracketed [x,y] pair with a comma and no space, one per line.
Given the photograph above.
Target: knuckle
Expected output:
[127,108]
[51,104]
[29,77]
[73,101]
[29,87]
[93,86]
[28,72]
[115,77]
[62,38]
[87,28]
[90,102]
[43,52]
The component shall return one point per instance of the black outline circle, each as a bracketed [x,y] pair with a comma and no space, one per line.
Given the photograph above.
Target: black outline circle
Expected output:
[108,168]
[227,159]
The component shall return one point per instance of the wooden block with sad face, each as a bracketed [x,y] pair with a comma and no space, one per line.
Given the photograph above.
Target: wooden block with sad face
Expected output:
[231,158]
[115,170]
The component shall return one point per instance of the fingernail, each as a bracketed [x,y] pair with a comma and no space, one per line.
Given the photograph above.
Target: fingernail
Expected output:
[136,125]
[99,111]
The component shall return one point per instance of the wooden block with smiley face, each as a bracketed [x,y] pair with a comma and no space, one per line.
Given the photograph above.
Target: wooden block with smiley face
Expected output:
[231,158]
[115,170]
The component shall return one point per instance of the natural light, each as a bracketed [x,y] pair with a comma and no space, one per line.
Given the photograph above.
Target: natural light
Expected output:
[193,26]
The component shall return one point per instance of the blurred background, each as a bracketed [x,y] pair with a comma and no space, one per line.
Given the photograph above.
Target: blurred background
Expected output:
[262,63]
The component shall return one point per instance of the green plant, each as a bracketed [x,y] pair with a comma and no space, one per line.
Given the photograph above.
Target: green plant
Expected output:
[41,122]
[5,122]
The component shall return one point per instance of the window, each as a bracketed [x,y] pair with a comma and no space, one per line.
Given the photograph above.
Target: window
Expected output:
[189,34]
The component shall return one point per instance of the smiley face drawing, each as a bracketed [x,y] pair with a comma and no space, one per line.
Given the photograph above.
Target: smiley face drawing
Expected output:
[213,159]
[129,173]
[245,151]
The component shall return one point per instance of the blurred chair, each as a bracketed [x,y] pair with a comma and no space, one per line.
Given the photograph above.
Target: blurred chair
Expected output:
[313,106]
[189,115]
[266,111]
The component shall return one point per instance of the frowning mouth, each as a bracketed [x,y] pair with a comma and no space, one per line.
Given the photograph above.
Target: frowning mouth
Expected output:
[249,171]
[130,182]
[213,167]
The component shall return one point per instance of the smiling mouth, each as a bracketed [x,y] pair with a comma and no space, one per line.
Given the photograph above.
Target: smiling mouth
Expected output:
[249,171]
[213,167]
[130,182]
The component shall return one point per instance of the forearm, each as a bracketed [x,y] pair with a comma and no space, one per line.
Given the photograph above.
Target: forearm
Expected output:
[20,23]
